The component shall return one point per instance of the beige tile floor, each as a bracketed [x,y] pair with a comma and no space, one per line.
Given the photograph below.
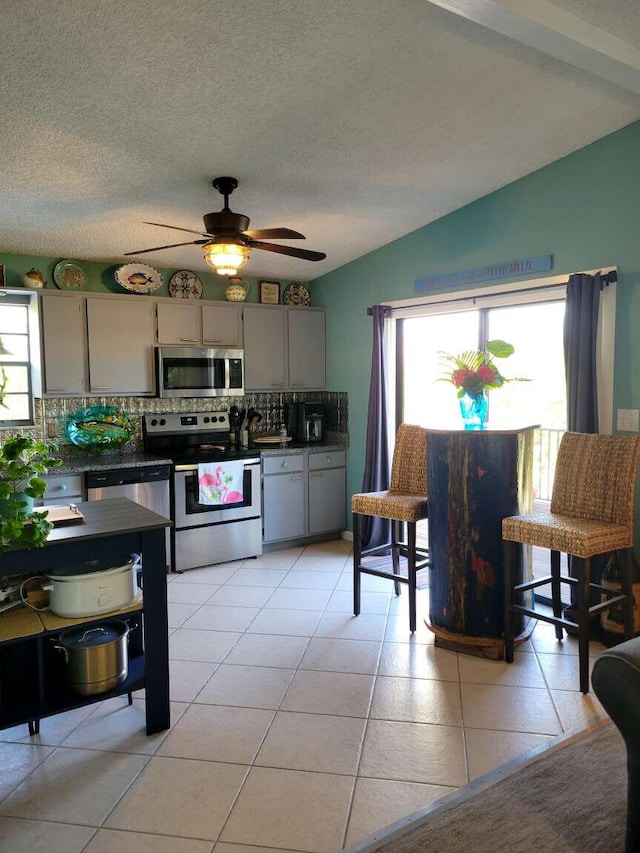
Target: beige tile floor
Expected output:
[295,726]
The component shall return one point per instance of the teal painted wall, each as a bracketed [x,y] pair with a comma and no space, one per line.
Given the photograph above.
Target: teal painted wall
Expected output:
[582,209]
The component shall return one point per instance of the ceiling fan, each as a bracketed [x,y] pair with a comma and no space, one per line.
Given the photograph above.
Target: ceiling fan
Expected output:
[227,244]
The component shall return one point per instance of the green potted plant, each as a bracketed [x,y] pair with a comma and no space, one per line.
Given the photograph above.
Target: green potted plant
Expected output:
[23,461]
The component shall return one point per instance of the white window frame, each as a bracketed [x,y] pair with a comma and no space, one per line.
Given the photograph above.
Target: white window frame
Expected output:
[30,300]
[550,288]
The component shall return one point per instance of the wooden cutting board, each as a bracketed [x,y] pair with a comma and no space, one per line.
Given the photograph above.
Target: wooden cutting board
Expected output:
[63,515]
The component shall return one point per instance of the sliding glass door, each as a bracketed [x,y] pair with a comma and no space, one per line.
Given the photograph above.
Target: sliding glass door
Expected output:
[535,330]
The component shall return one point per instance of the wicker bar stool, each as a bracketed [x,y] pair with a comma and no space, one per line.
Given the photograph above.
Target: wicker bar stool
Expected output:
[591,513]
[405,502]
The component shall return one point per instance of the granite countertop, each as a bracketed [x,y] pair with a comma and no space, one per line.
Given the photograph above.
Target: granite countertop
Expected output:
[77,462]
[297,447]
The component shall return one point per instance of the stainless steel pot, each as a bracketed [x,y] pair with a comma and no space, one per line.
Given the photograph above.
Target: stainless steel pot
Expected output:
[97,657]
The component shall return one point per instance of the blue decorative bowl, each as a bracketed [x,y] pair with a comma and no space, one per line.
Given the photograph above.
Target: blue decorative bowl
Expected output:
[100,428]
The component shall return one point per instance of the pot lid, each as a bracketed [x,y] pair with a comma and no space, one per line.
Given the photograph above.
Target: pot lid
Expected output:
[80,570]
[97,635]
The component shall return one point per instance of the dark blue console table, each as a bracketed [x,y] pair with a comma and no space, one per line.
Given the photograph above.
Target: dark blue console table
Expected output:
[32,687]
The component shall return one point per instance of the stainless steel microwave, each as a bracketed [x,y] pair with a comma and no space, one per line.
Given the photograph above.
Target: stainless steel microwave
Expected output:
[199,372]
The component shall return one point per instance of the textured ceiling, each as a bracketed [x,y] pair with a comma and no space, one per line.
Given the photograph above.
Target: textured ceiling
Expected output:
[352,121]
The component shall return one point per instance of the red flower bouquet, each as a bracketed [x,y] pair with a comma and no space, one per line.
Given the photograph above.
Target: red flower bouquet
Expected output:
[474,371]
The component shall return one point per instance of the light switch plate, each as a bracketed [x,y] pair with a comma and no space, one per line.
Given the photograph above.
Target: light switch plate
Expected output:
[628,420]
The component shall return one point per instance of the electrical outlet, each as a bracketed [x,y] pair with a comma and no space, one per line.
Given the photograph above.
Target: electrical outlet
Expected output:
[628,420]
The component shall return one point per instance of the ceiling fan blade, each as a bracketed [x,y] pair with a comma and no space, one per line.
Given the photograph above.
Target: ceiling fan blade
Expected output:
[177,228]
[170,246]
[274,234]
[305,254]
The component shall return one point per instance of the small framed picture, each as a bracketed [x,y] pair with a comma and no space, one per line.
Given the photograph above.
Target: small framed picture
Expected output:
[270,292]
[1,275]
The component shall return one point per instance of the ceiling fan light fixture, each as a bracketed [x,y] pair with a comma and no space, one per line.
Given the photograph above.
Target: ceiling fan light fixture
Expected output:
[226,258]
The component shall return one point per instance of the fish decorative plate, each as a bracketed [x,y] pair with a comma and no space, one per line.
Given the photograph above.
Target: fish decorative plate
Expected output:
[100,428]
[138,278]
[185,285]
[69,275]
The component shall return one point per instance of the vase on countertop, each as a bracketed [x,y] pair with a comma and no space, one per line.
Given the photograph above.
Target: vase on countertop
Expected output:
[473,408]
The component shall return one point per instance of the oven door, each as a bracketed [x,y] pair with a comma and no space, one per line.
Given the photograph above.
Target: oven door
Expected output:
[193,372]
[189,512]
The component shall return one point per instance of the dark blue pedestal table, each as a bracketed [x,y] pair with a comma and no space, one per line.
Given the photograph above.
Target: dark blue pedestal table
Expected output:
[475,478]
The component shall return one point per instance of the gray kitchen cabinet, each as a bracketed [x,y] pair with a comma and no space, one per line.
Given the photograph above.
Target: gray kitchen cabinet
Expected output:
[284,348]
[265,348]
[120,335]
[284,497]
[327,492]
[63,489]
[307,348]
[222,325]
[63,344]
[303,495]
[178,323]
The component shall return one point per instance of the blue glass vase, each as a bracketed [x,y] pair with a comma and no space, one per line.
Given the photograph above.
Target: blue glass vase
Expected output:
[473,408]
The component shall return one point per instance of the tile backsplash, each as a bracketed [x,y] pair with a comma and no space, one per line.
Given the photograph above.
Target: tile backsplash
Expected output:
[52,414]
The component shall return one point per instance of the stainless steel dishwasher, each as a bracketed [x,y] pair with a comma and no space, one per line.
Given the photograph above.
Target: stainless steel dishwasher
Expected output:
[148,485]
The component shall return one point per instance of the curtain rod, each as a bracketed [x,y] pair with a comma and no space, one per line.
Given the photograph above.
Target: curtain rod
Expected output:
[609,277]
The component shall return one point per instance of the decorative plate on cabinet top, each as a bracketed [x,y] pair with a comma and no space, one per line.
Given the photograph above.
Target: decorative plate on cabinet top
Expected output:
[185,285]
[296,294]
[138,278]
[69,275]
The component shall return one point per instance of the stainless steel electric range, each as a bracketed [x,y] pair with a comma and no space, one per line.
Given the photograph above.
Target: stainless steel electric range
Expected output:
[204,534]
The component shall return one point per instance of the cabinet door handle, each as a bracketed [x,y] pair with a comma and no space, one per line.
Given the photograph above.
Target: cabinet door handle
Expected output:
[188,340]
[209,341]
[297,384]
[52,390]
[297,477]
[316,474]
[101,387]
[277,382]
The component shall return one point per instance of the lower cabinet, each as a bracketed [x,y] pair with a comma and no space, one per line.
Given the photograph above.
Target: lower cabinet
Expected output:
[284,497]
[303,494]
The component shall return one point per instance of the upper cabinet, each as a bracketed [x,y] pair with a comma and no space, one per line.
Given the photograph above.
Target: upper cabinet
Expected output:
[178,323]
[104,344]
[193,324]
[64,344]
[120,334]
[284,348]
[265,348]
[307,349]
[222,325]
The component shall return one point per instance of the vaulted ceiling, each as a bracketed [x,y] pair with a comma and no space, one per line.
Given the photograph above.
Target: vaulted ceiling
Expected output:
[352,121]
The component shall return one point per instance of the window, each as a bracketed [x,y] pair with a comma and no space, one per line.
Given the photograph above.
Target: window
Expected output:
[16,351]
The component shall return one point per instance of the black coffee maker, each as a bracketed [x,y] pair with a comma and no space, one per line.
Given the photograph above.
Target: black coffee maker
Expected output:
[305,421]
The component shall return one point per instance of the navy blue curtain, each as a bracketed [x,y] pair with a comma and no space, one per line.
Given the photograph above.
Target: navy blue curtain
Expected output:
[580,335]
[580,332]
[376,531]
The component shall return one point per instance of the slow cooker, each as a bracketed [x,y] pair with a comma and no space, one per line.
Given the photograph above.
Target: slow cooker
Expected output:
[91,588]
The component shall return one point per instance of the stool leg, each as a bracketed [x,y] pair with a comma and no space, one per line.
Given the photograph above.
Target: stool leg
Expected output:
[411,567]
[556,599]
[582,570]
[508,549]
[357,559]
[396,537]
[629,628]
